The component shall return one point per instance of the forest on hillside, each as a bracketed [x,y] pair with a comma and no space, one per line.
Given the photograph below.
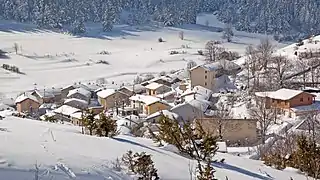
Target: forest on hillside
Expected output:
[292,18]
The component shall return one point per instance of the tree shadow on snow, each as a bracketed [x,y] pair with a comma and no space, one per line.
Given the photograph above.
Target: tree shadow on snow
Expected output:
[13,27]
[136,144]
[240,170]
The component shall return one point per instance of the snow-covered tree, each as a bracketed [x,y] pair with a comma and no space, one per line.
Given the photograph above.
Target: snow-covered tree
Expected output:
[228,33]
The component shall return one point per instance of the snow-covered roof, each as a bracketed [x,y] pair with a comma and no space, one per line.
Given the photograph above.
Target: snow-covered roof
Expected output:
[66,110]
[76,100]
[186,111]
[48,114]
[77,115]
[200,104]
[44,93]
[25,96]
[80,91]
[282,94]
[313,107]
[144,99]
[166,113]
[48,106]
[154,85]
[198,92]
[164,95]
[106,93]
[218,65]
[285,94]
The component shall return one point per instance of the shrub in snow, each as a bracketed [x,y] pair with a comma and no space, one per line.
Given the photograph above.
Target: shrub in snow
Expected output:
[160,40]
[200,52]
[141,164]
[103,62]
[116,165]
[148,77]
[173,52]
[300,42]
[162,73]
[185,46]
[105,52]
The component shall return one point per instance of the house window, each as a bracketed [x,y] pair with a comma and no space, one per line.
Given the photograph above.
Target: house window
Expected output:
[206,72]
[308,98]
[205,83]
[205,77]
[301,99]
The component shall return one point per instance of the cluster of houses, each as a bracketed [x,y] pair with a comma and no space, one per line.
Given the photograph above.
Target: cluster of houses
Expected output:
[181,99]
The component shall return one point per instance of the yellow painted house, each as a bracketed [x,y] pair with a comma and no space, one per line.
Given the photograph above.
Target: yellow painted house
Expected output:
[156,107]
[148,104]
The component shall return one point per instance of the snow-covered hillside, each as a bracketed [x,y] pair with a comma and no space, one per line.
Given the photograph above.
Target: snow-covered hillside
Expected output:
[54,59]
[63,153]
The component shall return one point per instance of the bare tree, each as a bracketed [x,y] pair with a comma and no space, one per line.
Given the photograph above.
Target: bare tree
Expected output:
[313,126]
[265,50]
[280,66]
[302,66]
[181,35]
[251,67]
[16,47]
[222,112]
[263,115]
[206,23]
[212,51]
[228,33]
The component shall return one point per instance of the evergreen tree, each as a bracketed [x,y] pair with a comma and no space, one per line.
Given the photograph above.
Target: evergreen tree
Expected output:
[90,122]
[106,126]
[79,17]
[109,16]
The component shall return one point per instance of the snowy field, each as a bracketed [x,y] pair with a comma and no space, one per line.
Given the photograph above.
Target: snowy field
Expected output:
[53,59]
[63,153]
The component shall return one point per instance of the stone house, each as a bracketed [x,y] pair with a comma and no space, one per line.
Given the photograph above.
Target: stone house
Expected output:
[65,90]
[110,98]
[127,90]
[76,103]
[27,103]
[80,93]
[243,131]
[205,75]
[47,95]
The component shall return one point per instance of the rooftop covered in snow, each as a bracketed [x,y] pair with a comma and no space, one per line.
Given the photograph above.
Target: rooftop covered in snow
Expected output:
[144,99]
[281,94]
[26,96]
[66,110]
[80,91]
[154,86]
[106,93]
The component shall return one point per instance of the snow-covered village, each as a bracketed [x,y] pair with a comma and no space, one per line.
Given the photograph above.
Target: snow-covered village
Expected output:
[147,96]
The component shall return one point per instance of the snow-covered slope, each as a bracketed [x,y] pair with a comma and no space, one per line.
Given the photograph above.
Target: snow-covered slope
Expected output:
[63,153]
[55,59]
